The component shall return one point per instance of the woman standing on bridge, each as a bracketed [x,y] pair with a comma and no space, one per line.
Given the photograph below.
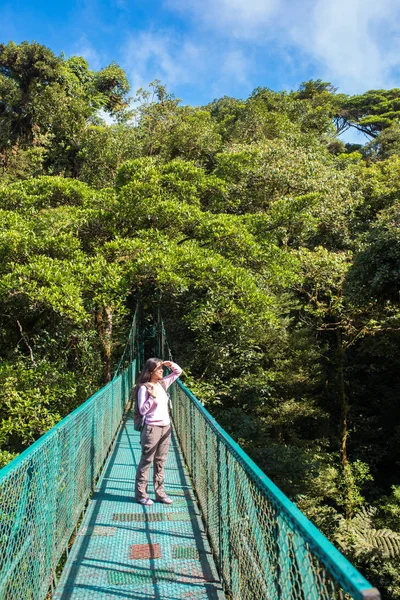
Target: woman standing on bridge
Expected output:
[155,437]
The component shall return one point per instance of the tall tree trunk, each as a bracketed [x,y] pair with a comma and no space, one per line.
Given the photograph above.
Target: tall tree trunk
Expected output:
[342,399]
[104,327]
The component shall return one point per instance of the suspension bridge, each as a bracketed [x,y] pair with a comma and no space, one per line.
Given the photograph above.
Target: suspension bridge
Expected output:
[71,530]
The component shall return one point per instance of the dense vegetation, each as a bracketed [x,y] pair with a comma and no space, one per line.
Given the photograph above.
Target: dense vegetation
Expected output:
[274,248]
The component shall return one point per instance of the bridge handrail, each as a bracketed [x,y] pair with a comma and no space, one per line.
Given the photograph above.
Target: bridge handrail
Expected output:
[43,491]
[246,514]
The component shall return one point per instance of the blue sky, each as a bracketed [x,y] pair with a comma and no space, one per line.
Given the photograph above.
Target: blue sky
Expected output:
[205,49]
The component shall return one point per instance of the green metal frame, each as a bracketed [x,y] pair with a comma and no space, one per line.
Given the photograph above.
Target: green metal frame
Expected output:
[44,490]
[263,544]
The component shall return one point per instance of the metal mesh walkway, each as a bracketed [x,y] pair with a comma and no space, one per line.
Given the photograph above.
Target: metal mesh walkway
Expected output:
[125,550]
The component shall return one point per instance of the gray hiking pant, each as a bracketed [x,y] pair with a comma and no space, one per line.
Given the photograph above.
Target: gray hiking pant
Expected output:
[155,442]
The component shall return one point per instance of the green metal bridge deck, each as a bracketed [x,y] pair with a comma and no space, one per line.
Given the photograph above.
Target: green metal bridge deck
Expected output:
[125,550]
[230,531]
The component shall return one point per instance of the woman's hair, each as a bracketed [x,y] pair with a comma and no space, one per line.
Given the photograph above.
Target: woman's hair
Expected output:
[144,377]
[149,367]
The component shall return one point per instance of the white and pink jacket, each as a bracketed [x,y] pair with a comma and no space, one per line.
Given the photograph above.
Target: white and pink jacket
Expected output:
[155,410]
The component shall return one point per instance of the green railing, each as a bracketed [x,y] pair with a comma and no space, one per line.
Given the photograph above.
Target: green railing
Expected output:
[263,545]
[44,490]
[265,548]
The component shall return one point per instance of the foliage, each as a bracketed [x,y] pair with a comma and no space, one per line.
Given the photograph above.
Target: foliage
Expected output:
[373,548]
[47,102]
[371,112]
[272,248]
[34,399]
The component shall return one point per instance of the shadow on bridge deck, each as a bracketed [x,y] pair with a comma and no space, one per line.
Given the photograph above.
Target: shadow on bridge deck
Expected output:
[124,550]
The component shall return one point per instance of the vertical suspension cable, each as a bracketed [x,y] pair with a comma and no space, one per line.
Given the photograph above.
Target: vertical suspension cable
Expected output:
[130,343]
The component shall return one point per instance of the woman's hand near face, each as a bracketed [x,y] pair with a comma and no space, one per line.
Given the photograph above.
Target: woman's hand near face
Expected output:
[167,363]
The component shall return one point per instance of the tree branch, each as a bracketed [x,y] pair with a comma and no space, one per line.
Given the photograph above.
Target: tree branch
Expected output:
[23,337]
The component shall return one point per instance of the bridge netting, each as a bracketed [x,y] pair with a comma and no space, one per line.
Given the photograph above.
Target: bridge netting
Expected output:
[263,546]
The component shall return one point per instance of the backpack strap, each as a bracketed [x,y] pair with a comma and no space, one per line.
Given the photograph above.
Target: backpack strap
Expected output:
[150,389]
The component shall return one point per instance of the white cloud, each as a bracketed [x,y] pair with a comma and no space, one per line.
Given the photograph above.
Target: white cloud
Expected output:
[357,42]
[236,65]
[238,18]
[178,60]
[84,48]
[353,43]
[159,55]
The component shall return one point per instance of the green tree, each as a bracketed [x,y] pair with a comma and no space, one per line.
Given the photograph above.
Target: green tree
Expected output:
[45,98]
[369,113]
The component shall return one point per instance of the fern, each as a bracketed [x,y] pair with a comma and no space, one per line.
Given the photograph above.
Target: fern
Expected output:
[366,537]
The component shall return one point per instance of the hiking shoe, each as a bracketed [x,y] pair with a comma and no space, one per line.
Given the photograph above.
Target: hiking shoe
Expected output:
[165,500]
[146,501]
